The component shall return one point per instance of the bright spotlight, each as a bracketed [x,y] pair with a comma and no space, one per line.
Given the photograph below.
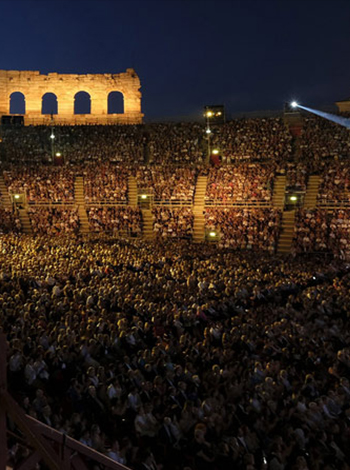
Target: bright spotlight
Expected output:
[293,198]
[294,104]
[212,234]
[208,131]
[17,196]
[209,113]
[215,151]
[58,154]
[143,196]
[52,136]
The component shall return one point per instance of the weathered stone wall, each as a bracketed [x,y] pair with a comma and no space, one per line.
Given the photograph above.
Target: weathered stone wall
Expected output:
[34,85]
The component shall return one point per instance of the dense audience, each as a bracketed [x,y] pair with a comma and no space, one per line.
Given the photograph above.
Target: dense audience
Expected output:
[176,143]
[181,143]
[255,139]
[122,220]
[171,354]
[321,138]
[9,221]
[253,229]
[76,144]
[179,354]
[167,183]
[240,184]
[106,182]
[54,221]
[296,176]
[322,230]
[335,182]
[40,183]
[173,222]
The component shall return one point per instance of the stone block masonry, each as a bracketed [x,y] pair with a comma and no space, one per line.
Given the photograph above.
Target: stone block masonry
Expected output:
[34,85]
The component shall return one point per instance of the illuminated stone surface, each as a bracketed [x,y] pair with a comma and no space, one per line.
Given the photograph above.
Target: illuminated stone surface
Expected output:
[34,85]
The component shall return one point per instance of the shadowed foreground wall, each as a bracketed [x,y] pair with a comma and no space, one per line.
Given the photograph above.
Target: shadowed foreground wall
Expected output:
[34,85]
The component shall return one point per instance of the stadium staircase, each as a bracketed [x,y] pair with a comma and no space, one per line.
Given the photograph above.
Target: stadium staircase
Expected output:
[25,221]
[287,234]
[5,198]
[279,190]
[310,199]
[198,209]
[80,201]
[132,191]
[148,232]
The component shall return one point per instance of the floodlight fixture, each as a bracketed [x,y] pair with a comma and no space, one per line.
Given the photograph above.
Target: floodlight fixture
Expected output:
[17,196]
[215,151]
[212,234]
[143,196]
[294,104]
[293,198]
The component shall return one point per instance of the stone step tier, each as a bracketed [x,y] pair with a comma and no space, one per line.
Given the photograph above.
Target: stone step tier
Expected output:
[25,221]
[198,209]
[132,191]
[279,191]
[4,194]
[147,219]
[287,233]
[310,199]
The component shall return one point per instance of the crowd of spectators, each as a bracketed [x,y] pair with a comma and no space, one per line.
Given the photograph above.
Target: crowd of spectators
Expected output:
[173,222]
[296,176]
[246,182]
[334,182]
[322,230]
[106,182]
[253,139]
[243,229]
[179,354]
[180,143]
[321,139]
[167,183]
[41,183]
[125,220]
[76,144]
[54,221]
[9,221]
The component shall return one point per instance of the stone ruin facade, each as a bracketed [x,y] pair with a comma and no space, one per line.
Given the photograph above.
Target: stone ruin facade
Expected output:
[34,86]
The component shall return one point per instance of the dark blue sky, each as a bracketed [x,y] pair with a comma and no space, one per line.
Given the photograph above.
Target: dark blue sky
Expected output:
[249,55]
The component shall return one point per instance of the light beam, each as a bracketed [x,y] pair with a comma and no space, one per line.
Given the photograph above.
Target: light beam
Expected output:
[342,121]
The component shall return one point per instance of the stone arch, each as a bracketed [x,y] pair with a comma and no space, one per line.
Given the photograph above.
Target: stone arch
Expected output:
[115,102]
[17,103]
[49,103]
[82,103]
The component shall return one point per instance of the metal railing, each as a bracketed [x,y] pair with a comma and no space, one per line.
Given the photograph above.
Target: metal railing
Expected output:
[44,444]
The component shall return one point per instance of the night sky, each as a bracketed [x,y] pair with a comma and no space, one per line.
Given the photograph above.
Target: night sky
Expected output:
[249,55]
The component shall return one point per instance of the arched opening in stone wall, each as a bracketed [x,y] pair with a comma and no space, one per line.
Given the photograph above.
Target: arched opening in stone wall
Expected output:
[115,102]
[17,103]
[49,104]
[82,103]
